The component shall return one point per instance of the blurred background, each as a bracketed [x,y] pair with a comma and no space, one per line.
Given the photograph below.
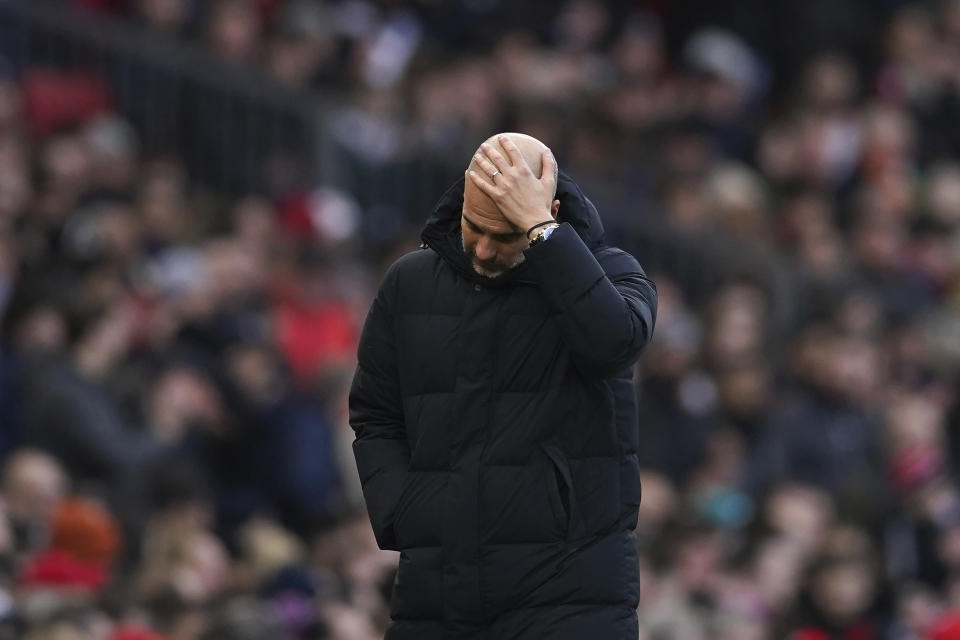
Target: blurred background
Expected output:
[197,201]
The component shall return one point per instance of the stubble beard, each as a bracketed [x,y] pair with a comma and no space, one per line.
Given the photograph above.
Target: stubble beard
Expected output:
[486,272]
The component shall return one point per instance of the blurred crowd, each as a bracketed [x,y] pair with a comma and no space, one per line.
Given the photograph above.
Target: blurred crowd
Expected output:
[175,451]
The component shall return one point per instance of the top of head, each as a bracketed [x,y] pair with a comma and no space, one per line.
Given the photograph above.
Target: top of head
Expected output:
[480,205]
[530,148]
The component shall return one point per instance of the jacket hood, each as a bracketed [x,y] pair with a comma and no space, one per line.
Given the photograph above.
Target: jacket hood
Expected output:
[442,231]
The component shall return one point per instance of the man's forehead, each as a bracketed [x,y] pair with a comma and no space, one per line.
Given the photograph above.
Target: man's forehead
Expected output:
[488,222]
[483,212]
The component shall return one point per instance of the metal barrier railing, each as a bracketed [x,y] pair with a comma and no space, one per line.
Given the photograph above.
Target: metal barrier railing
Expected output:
[224,122]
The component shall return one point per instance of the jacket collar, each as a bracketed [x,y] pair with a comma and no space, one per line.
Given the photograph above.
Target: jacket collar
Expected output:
[442,231]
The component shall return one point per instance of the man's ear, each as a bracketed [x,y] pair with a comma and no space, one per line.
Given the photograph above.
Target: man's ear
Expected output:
[554,208]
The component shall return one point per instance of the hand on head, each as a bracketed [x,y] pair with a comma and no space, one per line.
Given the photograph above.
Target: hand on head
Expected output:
[519,174]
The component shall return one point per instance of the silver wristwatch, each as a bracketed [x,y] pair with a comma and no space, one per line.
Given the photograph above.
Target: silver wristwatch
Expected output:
[543,234]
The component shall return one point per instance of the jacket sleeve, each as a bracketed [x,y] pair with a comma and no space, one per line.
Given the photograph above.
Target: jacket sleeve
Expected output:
[376,416]
[605,305]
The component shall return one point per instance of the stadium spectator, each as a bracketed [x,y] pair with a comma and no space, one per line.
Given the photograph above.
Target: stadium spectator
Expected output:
[179,300]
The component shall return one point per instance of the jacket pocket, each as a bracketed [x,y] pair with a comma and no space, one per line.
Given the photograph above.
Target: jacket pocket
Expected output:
[562,495]
[400,506]
[417,516]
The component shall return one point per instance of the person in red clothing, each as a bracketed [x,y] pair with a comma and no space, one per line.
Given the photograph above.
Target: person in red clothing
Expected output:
[946,627]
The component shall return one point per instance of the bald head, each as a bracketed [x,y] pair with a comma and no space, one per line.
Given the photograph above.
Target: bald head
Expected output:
[492,242]
[530,148]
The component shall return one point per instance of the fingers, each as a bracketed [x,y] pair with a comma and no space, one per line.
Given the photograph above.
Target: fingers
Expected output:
[483,185]
[513,151]
[548,175]
[488,167]
[495,157]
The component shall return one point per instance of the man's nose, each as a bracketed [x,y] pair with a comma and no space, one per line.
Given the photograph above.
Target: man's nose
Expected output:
[485,249]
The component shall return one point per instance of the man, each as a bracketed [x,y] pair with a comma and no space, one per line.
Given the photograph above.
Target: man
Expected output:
[495,413]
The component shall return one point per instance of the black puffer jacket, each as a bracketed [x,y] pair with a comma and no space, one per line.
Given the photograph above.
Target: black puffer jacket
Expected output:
[496,428]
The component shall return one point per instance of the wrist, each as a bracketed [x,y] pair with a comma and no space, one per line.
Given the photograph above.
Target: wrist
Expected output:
[532,229]
[542,233]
